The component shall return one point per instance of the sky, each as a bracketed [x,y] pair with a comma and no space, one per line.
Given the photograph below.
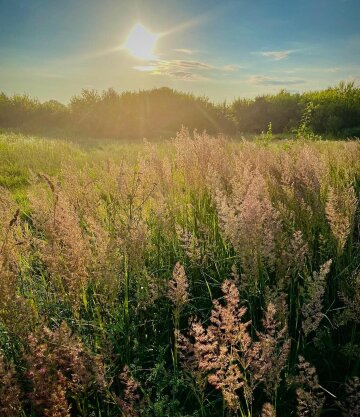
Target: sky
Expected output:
[225,49]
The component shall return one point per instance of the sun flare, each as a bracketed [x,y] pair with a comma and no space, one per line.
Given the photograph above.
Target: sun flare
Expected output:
[141,43]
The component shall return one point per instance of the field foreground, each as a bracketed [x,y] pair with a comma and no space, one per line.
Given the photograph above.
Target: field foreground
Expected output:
[196,278]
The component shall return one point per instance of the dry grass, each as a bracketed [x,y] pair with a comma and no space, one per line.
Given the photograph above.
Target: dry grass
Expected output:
[106,257]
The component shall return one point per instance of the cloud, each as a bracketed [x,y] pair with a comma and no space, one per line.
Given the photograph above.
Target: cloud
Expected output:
[312,70]
[278,55]
[197,65]
[231,68]
[183,75]
[262,80]
[187,70]
[180,69]
[185,51]
[332,70]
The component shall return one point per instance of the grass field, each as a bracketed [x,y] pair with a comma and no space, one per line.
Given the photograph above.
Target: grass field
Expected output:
[197,277]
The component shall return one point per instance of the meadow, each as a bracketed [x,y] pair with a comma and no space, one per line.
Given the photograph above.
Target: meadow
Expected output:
[196,277]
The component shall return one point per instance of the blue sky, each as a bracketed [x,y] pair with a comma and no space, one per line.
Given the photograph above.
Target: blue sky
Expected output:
[221,49]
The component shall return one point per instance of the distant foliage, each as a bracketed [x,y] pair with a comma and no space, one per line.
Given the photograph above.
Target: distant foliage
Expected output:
[158,112]
[161,113]
[337,109]
[283,110]
[25,112]
[304,130]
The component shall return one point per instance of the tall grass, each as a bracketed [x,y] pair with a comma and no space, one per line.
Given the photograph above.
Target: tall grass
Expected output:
[198,278]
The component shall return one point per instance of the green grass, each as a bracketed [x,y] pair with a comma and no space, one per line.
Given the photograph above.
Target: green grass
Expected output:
[99,230]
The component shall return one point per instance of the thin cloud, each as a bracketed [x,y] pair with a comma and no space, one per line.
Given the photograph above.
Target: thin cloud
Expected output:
[190,64]
[331,70]
[179,69]
[262,80]
[183,75]
[278,55]
[231,68]
[188,70]
[185,51]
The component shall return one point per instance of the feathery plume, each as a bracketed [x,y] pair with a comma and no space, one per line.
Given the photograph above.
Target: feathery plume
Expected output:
[10,394]
[268,410]
[310,397]
[178,287]
[312,307]
[130,400]
[350,406]
[340,211]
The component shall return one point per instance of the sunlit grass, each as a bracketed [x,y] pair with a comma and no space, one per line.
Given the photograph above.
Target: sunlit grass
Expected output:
[109,249]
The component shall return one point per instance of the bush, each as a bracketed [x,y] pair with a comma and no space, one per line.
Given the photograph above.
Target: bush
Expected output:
[161,112]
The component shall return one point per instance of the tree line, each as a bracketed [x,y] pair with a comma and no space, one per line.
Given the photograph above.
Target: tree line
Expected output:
[162,111]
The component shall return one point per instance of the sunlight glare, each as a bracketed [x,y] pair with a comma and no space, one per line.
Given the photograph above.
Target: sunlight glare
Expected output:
[141,43]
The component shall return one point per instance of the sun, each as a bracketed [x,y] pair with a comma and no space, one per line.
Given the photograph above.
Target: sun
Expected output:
[141,43]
